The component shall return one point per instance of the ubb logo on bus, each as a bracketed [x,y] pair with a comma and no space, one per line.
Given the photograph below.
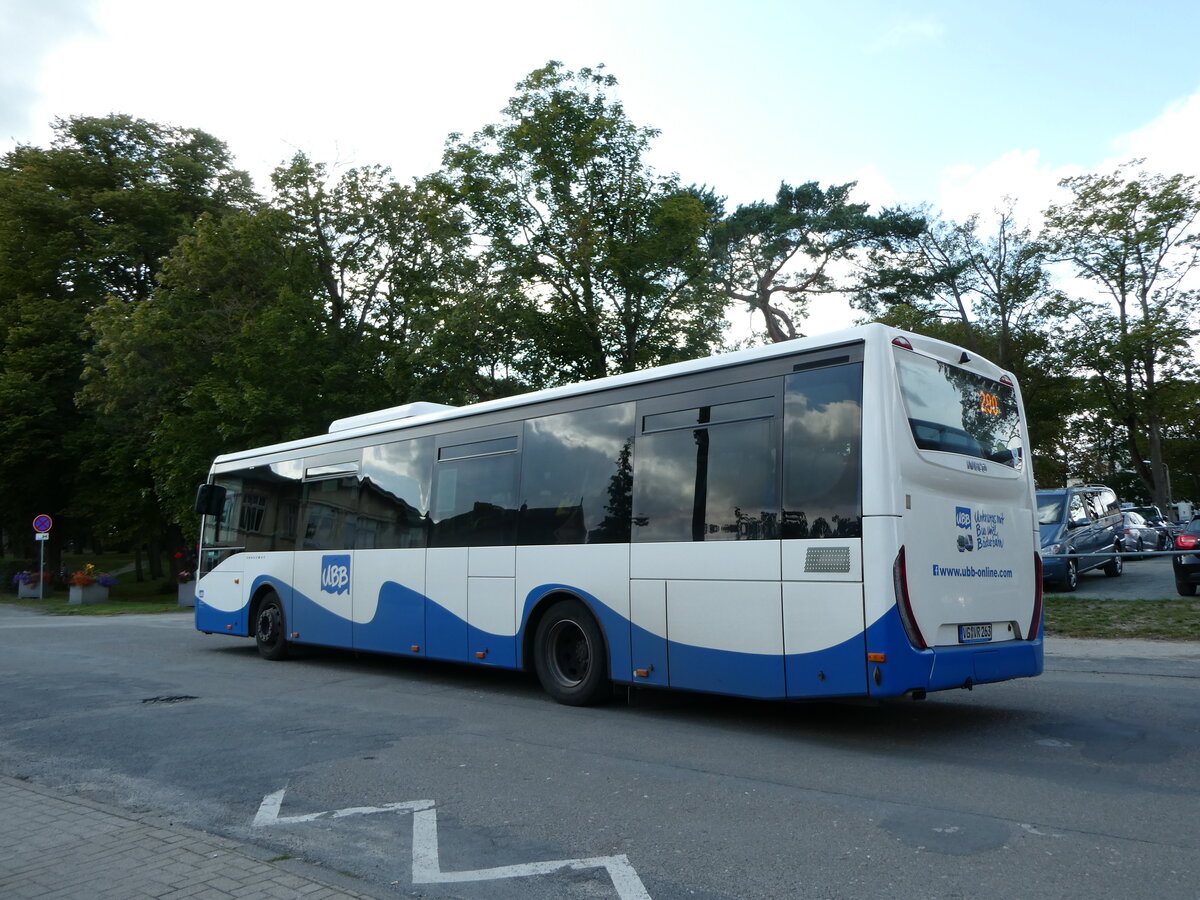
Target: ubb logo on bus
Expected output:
[962,517]
[335,574]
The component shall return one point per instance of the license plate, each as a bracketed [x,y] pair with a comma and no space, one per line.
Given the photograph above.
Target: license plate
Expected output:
[974,634]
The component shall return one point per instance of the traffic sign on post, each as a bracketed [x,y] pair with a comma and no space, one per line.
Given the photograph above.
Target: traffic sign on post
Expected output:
[42,525]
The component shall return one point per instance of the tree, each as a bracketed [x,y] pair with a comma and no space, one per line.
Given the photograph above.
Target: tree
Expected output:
[931,276]
[793,248]
[342,296]
[405,300]
[87,219]
[613,256]
[227,351]
[1135,240]
[949,271]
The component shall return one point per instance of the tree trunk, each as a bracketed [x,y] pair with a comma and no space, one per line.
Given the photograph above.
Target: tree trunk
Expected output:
[155,554]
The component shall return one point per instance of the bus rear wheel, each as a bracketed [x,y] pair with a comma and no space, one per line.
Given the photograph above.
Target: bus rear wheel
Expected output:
[270,634]
[569,655]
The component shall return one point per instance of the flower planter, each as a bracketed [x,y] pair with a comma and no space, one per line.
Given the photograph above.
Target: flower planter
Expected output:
[88,593]
[187,593]
[30,591]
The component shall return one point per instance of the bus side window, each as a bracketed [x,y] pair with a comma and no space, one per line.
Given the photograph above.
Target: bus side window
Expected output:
[393,506]
[329,510]
[708,472]
[475,494]
[576,477]
[260,510]
[822,447]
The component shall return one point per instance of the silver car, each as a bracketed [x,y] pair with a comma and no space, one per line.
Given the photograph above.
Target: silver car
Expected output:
[1137,534]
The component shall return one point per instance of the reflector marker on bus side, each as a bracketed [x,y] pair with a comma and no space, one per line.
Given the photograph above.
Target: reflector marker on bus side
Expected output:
[426,863]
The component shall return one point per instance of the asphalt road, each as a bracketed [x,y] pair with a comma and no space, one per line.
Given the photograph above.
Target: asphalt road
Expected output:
[1082,782]
[1149,578]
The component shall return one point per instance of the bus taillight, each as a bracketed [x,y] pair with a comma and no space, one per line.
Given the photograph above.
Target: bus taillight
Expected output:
[1036,624]
[904,605]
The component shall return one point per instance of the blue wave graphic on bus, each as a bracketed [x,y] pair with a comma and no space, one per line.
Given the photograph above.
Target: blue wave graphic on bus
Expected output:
[406,622]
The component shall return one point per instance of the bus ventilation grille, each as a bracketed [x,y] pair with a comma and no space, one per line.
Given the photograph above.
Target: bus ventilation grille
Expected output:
[827,559]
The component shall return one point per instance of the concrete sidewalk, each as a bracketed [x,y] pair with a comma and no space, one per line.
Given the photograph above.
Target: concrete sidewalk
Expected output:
[55,846]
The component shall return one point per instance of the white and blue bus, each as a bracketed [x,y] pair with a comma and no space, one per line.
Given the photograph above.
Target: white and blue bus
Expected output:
[850,515]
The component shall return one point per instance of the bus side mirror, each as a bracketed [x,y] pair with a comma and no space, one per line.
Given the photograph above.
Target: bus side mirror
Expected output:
[210,499]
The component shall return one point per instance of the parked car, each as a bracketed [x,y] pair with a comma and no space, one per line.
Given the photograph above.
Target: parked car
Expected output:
[1187,568]
[1136,534]
[1081,527]
[1155,519]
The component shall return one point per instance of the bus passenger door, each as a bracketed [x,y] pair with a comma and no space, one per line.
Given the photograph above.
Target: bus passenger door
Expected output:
[324,563]
[321,598]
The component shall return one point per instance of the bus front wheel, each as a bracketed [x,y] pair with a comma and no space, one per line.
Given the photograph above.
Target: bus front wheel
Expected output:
[269,628]
[568,653]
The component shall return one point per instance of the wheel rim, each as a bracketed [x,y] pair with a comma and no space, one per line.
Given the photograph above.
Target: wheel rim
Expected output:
[570,653]
[1072,573]
[268,625]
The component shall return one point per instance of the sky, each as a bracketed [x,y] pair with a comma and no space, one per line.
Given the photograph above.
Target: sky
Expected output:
[953,104]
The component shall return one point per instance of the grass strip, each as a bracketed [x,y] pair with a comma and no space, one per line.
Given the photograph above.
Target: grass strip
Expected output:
[1164,620]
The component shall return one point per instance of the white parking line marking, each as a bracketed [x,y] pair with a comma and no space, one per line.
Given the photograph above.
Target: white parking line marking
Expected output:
[426,865]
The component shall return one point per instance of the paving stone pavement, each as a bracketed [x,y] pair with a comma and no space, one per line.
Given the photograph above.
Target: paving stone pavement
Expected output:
[57,847]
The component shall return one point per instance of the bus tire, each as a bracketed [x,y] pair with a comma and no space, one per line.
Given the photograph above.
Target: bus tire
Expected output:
[270,628]
[569,654]
[1185,588]
[1114,567]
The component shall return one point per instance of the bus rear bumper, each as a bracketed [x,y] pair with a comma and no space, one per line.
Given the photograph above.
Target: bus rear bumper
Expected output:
[904,669]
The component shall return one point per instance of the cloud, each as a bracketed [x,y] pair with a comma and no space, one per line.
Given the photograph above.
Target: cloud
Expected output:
[1019,174]
[31,32]
[1168,144]
[907,33]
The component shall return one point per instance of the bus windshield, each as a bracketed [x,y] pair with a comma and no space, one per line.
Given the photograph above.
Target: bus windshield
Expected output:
[956,411]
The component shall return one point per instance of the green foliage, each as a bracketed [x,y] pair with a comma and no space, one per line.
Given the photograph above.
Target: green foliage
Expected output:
[154,312]
[84,221]
[1135,240]
[793,248]
[611,256]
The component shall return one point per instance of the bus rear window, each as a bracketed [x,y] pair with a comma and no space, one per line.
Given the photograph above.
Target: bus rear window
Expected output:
[956,411]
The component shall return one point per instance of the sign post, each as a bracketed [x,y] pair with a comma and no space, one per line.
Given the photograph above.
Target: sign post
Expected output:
[41,527]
